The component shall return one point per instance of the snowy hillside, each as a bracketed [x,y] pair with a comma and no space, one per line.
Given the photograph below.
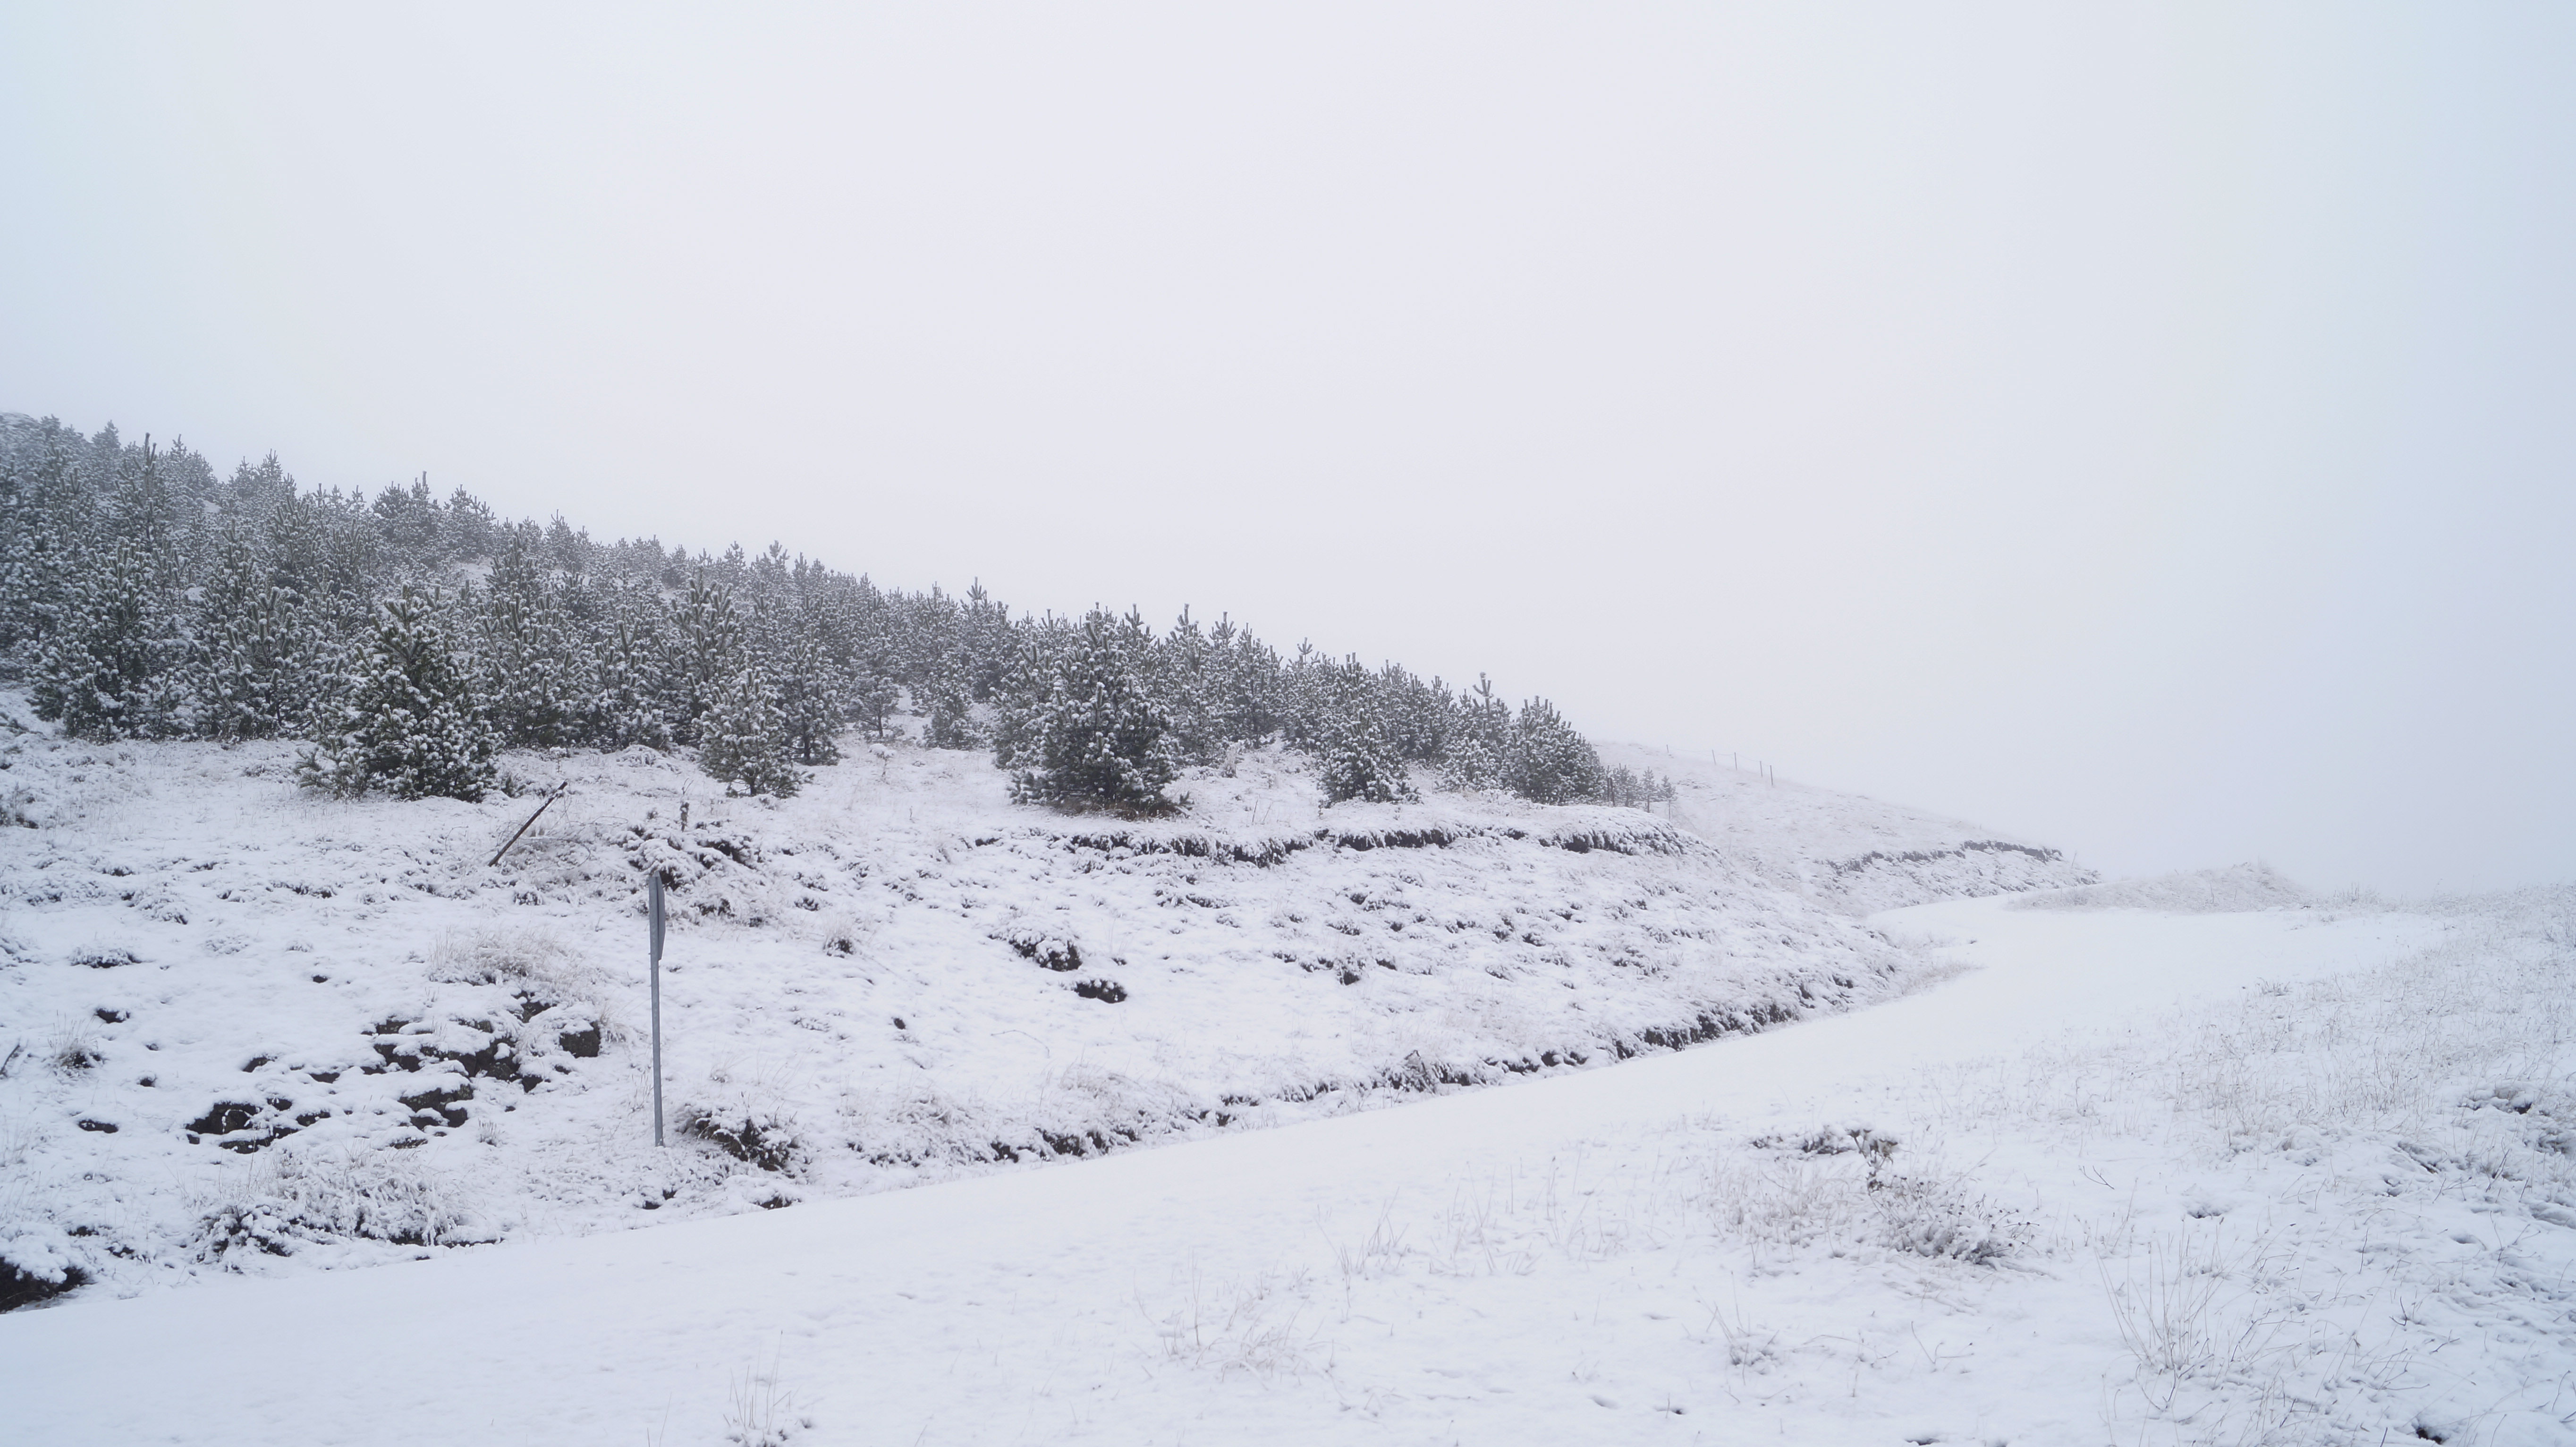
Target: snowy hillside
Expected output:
[1851,852]
[259,1029]
[2267,1177]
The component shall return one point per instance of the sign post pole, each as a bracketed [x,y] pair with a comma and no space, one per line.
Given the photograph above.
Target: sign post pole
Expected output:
[653,905]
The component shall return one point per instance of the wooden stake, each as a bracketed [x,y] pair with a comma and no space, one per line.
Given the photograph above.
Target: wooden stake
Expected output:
[532,819]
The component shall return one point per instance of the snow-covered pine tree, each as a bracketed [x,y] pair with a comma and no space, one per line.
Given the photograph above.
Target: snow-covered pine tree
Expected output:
[410,725]
[626,707]
[243,667]
[810,698]
[1021,693]
[1098,739]
[530,676]
[1416,714]
[743,743]
[1477,740]
[1355,758]
[1245,676]
[873,690]
[1182,679]
[115,646]
[709,654]
[1305,697]
[944,697]
[110,668]
[43,495]
[411,527]
[986,642]
[1549,762]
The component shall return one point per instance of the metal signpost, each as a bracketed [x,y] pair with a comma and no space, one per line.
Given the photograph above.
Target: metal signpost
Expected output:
[653,906]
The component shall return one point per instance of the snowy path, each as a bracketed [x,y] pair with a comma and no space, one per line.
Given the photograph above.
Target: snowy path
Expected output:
[1220,1291]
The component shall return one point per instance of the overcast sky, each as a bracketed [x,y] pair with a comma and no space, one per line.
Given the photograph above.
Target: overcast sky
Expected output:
[2148,430]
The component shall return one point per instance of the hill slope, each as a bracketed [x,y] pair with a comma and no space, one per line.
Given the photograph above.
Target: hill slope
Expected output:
[1844,850]
[259,1029]
[2170,1179]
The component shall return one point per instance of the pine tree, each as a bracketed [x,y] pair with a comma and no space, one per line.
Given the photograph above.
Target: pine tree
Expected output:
[1549,762]
[1024,688]
[710,652]
[243,665]
[873,690]
[115,643]
[626,707]
[946,700]
[41,497]
[411,526]
[410,726]
[1183,678]
[110,669]
[1356,758]
[1477,741]
[530,674]
[1098,740]
[809,699]
[987,643]
[1245,680]
[743,739]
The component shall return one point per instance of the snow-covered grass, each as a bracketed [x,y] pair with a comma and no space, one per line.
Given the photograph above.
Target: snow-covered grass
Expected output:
[1847,850]
[2128,1177]
[2200,891]
[2199,1159]
[244,1013]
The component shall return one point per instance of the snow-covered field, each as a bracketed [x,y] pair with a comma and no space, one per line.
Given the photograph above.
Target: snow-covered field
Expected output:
[257,1030]
[2199,1159]
[2138,1177]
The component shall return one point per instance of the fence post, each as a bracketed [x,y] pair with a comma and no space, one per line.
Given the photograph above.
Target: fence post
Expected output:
[653,907]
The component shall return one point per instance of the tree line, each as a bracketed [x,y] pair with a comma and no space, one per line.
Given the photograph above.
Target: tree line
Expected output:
[411,637]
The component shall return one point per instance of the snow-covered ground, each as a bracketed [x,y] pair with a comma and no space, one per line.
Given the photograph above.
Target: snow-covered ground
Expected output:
[2126,1176]
[1849,850]
[2195,1159]
[257,1030]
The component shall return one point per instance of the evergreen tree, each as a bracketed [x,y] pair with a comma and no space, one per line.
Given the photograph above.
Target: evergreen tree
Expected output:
[710,653]
[1305,697]
[530,674]
[743,738]
[626,708]
[1477,740]
[42,495]
[1183,679]
[410,726]
[809,699]
[1416,714]
[874,693]
[110,669]
[1244,684]
[411,526]
[1022,693]
[945,699]
[244,665]
[1098,740]
[986,642]
[1549,762]
[1356,758]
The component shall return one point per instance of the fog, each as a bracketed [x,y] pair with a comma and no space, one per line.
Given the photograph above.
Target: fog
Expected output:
[2144,429]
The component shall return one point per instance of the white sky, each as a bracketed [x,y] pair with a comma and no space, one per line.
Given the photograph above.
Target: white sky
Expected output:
[2145,429]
